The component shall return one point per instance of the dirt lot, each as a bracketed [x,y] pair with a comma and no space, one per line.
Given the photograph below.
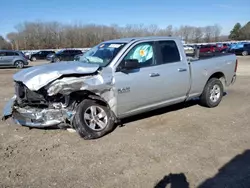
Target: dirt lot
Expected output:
[187,141]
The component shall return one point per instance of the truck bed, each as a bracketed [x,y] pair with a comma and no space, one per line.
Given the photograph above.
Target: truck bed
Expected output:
[204,56]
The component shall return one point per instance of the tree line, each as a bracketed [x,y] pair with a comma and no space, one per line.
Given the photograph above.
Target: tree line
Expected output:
[54,35]
[240,32]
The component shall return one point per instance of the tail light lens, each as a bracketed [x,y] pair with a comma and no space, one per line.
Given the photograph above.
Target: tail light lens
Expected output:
[236,65]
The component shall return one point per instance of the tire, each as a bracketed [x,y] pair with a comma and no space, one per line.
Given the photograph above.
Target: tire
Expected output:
[19,64]
[212,93]
[33,58]
[56,59]
[244,53]
[87,126]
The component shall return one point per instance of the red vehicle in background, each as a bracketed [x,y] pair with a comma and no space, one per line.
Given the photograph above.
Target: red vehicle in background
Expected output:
[222,47]
[208,48]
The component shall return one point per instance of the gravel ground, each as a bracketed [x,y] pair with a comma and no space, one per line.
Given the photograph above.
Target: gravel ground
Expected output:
[189,145]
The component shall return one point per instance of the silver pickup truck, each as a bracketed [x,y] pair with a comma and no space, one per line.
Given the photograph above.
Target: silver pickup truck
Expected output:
[114,80]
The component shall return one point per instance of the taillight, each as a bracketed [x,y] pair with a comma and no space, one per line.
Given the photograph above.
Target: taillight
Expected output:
[236,65]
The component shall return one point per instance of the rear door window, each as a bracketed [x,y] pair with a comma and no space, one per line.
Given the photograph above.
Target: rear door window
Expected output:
[169,52]
[247,45]
[66,52]
[10,54]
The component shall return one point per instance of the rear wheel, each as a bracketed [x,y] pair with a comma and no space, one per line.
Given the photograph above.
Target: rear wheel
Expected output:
[19,64]
[245,53]
[93,120]
[212,93]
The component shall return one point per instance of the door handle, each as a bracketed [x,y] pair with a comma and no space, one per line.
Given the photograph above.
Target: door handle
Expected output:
[182,70]
[154,74]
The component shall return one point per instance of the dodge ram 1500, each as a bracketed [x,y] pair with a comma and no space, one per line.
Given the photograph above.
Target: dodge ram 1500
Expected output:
[114,80]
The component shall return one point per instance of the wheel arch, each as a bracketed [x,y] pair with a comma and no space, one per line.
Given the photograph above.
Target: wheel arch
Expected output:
[86,94]
[16,60]
[219,75]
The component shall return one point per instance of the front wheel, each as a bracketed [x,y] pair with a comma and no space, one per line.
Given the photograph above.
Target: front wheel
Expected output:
[212,93]
[93,120]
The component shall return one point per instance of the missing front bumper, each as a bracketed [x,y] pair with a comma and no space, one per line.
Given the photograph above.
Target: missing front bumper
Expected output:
[34,117]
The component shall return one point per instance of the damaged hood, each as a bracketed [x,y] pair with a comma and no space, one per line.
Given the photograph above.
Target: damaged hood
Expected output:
[39,76]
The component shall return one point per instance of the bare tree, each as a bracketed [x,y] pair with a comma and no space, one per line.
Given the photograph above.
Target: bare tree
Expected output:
[4,44]
[208,31]
[216,31]
[41,35]
[185,32]
[198,34]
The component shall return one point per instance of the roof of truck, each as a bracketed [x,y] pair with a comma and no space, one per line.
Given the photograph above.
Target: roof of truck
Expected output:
[126,40]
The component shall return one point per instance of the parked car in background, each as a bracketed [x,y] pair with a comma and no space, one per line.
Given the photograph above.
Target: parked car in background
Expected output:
[222,47]
[27,54]
[49,57]
[40,55]
[245,50]
[188,48]
[13,59]
[78,57]
[65,55]
[207,48]
[114,80]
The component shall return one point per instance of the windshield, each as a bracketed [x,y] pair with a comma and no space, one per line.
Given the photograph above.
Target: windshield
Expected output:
[102,54]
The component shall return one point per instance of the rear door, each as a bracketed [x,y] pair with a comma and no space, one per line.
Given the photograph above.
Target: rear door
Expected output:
[247,48]
[70,55]
[173,71]
[9,58]
[42,54]
[64,56]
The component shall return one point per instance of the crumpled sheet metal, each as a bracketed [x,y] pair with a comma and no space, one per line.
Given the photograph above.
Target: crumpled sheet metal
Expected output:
[101,84]
[39,76]
[35,117]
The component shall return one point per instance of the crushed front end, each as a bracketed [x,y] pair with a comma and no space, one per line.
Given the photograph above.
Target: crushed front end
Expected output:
[36,109]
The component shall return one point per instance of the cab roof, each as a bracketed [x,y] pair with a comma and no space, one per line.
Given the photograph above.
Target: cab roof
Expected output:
[135,39]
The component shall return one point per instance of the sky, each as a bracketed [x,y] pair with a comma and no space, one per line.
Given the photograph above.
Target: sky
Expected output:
[121,12]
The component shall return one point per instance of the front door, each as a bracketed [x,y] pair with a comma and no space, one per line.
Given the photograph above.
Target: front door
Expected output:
[162,79]
[137,88]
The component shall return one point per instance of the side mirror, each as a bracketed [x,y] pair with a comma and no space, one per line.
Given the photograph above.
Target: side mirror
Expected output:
[130,64]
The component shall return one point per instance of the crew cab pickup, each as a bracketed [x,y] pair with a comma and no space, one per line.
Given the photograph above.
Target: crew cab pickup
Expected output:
[114,80]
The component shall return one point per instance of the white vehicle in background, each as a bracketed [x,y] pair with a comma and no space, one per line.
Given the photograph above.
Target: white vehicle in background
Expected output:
[188,48]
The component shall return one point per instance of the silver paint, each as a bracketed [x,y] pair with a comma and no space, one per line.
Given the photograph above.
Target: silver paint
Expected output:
[39,76]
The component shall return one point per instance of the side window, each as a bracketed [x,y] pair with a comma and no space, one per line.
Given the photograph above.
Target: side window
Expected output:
[9,53]
[65,52]
[247,45]
[143,52]
[169,52]
[16,54]
[78,52]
